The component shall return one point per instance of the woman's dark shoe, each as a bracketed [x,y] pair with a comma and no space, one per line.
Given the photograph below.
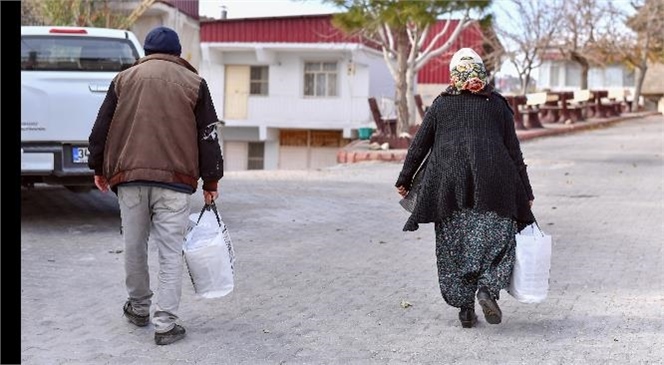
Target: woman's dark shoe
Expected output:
[467,317]
[492,312]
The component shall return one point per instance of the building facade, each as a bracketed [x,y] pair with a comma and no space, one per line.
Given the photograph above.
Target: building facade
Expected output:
[290,90]
[293,90]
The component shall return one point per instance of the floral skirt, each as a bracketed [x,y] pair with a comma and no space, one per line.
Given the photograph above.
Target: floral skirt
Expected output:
[474,249]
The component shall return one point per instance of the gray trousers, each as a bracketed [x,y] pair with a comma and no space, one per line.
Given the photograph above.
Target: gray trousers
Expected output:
[162,214]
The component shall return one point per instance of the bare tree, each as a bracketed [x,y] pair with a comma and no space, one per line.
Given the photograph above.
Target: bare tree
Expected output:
[493,50]
[529,35]
[583,22]
[402,31]
[642,42]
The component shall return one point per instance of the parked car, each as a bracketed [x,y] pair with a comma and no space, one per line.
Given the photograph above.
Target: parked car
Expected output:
[65,73]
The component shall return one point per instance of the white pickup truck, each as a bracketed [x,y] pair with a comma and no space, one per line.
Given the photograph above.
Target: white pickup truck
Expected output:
[65,73]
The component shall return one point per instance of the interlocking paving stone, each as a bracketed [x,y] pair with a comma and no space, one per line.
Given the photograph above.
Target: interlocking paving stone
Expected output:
[322,267]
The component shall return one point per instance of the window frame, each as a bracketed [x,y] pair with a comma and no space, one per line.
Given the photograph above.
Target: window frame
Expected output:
[554,74]
[260,81]
[256,162]
[321,71]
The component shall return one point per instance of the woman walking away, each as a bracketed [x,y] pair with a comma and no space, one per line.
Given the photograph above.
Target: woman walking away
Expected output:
[474,188]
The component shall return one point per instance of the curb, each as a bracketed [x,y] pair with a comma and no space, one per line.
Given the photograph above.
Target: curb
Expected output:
[357,151]
[555,129]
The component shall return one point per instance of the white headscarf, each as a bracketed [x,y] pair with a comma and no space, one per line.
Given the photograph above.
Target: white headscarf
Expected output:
[465,52]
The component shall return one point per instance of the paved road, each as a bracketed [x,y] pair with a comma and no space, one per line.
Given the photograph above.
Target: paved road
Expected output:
[323,266]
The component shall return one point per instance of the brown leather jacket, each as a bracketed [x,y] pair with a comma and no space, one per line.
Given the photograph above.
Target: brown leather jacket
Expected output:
[157,124]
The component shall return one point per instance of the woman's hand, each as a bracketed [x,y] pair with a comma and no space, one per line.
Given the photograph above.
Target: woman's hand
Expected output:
[530,202]
[402,191]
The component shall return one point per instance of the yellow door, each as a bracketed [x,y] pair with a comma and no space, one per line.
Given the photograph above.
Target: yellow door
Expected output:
[236,92]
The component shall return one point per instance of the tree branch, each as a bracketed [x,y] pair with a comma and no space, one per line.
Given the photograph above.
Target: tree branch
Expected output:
[425,56]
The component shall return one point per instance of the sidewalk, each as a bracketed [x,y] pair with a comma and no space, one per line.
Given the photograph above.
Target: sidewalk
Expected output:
[358,151]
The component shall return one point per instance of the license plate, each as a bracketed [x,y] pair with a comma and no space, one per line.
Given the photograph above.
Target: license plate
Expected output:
[80,154]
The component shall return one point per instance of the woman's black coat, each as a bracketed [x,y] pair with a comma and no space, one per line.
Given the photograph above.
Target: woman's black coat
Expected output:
[475,160]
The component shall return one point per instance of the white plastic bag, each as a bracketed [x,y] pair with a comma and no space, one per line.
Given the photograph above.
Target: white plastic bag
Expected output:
[209,255]
[530,278]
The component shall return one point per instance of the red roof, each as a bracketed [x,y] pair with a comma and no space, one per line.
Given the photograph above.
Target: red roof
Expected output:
[285,29]
[319,29]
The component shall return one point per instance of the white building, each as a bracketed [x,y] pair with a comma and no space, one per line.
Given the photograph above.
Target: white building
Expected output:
[290,90]
[181,16]
[556,73]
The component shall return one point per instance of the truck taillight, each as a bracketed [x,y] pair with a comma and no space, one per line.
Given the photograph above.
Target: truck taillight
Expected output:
[68,31]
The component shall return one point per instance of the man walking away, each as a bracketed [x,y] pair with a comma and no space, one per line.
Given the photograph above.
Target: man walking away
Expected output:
[154,138]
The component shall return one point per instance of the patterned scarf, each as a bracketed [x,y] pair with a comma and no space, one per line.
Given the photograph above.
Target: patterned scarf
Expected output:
[467,74]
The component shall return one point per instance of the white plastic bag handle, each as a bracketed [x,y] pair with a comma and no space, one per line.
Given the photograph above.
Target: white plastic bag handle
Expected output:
[532,230]
[537,229]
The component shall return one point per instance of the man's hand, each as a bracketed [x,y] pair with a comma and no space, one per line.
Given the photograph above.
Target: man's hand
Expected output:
[101,183]
[210,196]
[402,191]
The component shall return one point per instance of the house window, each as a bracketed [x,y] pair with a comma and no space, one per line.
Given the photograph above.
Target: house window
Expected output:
[256,156]
[258,80]
[555,75]
[614,76]
[573,75]
[320,79]
[628,77]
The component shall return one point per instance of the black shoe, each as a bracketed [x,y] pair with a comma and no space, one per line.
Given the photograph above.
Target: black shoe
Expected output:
[492,312]
[467,317]
[176,333]
[140,321]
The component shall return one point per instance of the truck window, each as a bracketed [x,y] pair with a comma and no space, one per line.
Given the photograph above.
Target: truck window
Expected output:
[66,53]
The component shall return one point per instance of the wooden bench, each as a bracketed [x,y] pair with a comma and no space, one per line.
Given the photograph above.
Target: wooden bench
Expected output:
[578,105]
[615,99]
[594,104]
[602,106]
[421,109]
[549,110]
[517,102]
[565,112]
[531,110]
[386,127]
